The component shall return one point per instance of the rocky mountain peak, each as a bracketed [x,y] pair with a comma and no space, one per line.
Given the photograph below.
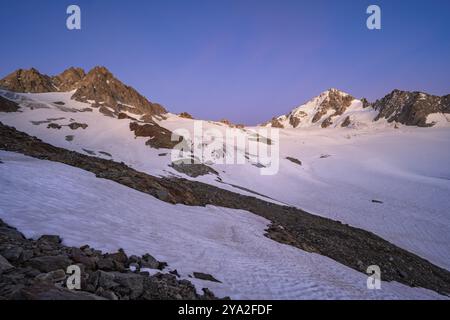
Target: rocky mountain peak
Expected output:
[410,108]
[98,87]
[31,80]
[101,88]
[322,110]
[69,79]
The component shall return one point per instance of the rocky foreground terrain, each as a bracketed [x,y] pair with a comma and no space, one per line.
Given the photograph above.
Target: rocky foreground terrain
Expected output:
[36,270]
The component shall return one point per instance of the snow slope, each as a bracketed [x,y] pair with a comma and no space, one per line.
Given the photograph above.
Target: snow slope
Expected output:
[342,171]
[45,197]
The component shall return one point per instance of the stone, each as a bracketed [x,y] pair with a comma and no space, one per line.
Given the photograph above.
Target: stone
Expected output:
[205,276]
[12,254]
[11,233]
[8,105]
[47,291]
[78,256]
[149,261]
[52,276]
[5,266]
[51,239]
[76,125]
[294,160]
[50,263]
[106,264]
[119,256]
[54,126]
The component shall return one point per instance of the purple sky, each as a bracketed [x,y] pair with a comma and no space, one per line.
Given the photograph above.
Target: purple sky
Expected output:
[244,60]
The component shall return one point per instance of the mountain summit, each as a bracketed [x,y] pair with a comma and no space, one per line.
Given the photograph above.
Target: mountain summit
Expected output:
[31,80]
[98,87]
[335,108]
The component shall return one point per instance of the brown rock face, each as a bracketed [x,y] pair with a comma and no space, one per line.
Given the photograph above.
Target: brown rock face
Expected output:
[185,115]
[336,101]
[101,86]
[27,81]
[327,122]
[410,108]
[69,79]
[346,122]
[276,123]
[159,137]
[7,105]
[226,122]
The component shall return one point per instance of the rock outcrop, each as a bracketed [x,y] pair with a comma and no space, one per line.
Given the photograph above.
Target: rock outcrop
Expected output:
[69,79]
[185,115]
[159,137]
[411,108]
[31,81]
[8,105]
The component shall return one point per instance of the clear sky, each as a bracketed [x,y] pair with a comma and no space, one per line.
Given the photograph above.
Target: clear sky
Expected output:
[244,60]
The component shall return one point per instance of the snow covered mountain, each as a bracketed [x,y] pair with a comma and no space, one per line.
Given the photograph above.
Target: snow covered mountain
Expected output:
[108,180]
[334,108]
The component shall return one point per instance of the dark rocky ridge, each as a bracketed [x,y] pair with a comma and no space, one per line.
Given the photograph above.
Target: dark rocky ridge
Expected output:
[36,270]
[353,247]
[410,108]
[8,105]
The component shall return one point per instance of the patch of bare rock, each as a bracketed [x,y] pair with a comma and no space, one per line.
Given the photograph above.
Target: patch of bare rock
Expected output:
[159,137]
[185,115]
[192,169]
[8,105]
[294,160]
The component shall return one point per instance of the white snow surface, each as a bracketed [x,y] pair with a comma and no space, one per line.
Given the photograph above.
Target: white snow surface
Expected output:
[42,197]
[342,171]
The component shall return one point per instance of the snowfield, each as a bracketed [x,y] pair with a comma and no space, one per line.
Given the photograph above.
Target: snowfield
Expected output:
[42,197]
[394,182]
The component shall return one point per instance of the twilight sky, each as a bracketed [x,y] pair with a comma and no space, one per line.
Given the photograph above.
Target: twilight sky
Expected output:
[244,60]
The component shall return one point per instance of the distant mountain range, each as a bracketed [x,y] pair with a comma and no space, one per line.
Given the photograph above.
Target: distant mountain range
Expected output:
[332,108]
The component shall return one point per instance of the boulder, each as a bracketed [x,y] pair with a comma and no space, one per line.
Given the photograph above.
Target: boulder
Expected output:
[50,263]
[205,276]
[5,266]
